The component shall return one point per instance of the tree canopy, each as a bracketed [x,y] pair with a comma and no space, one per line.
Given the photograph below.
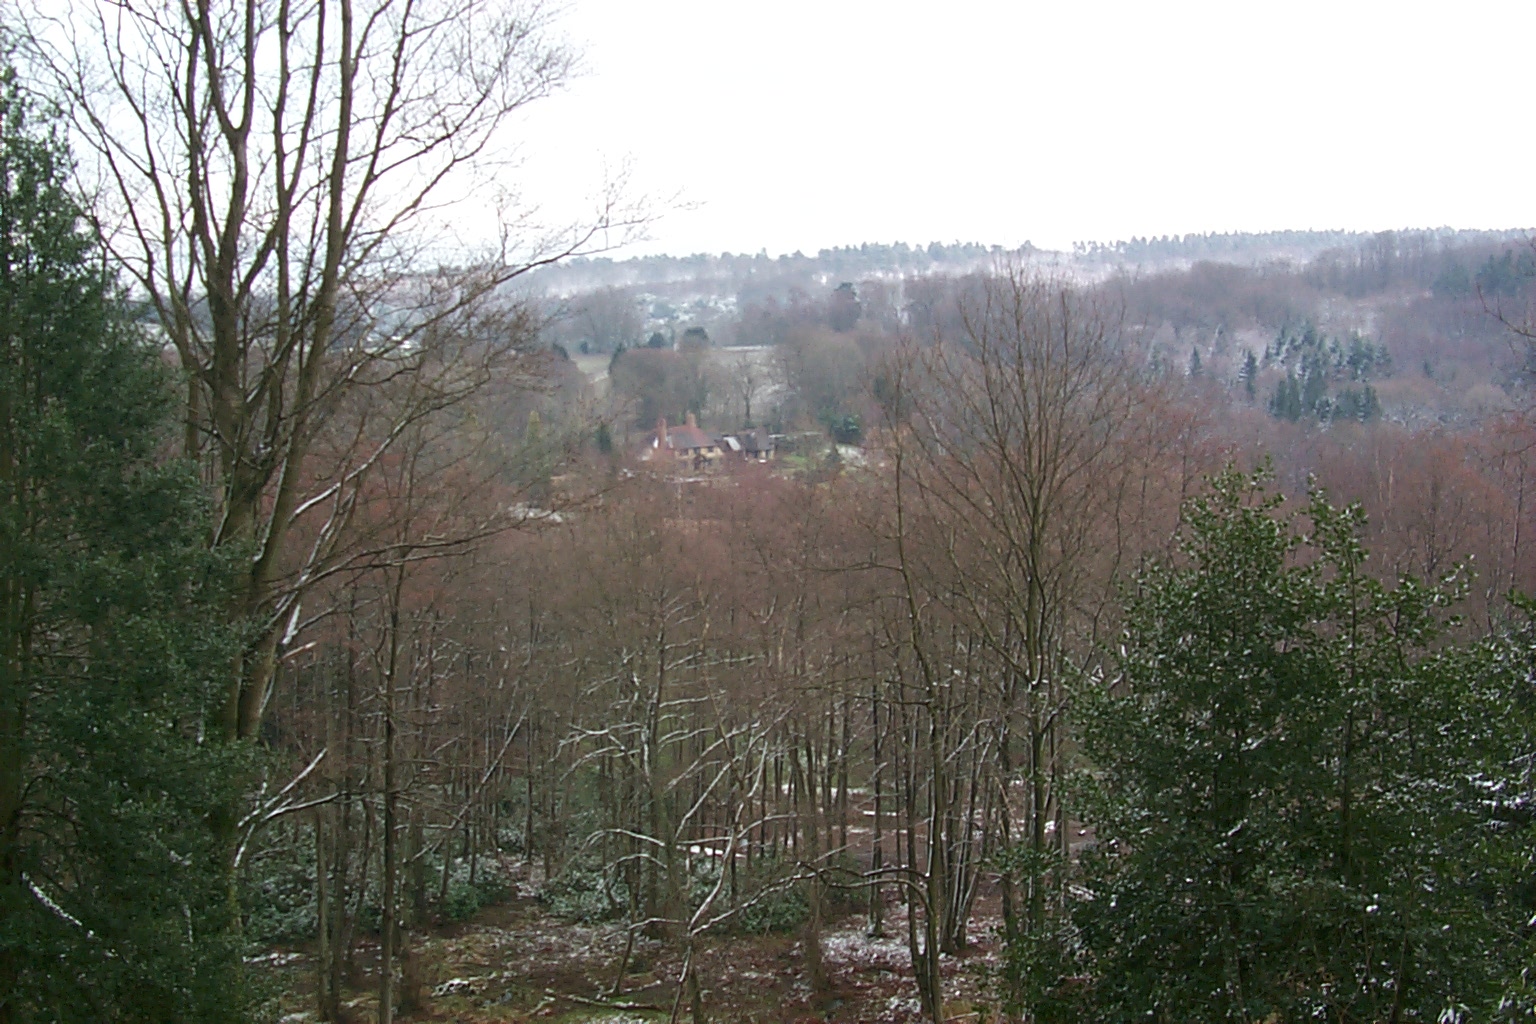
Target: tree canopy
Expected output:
[1298,784]
[113,903]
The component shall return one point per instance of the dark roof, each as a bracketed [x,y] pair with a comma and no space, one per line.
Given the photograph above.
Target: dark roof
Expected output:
[755,441]
[686,438]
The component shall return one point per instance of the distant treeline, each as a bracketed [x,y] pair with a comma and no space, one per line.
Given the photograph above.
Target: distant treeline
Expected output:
[843,263]
[1238,246]
[740,273]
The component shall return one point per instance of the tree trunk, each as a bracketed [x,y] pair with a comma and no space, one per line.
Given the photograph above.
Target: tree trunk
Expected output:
[807,824]
[876,927]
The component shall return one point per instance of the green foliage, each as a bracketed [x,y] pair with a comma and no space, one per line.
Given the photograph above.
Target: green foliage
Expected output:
[1285,404]
[1040,974]
[1289,786]
[775,911]
[1364,360]
[586,892]
[844,309]
[1250,374]
[768,898]
[1314,388]
[1454,282]
[1324,361]
[845,429]
[1506,275]
[509,833]
[1357,404]
[772,901]
[278,892]
[462,902]
[491,887]
[1509,787]
[114,898]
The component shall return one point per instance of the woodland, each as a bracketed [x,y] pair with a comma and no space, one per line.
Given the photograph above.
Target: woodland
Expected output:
[1140,633]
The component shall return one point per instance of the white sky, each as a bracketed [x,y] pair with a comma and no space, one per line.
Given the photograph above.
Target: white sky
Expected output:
[796,124]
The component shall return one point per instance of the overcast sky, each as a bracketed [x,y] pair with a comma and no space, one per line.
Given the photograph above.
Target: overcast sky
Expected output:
[801,124]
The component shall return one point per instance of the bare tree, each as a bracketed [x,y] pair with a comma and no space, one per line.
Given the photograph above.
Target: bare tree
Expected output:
[274,178]
[607,318]
[747,380]
[1012,477]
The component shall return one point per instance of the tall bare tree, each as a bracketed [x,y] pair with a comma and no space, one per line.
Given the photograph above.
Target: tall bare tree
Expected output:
[274,178]
[1014,473]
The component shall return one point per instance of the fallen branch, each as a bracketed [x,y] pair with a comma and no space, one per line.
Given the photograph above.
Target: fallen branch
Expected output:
[606,1004]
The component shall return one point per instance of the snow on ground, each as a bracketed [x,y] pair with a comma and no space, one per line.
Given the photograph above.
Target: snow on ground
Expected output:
[518,963]
[853,948]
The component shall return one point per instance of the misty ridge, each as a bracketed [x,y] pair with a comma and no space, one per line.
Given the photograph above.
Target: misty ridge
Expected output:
[1085,258]
[415,608]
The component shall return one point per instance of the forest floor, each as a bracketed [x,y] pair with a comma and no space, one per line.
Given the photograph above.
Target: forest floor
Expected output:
[518,963]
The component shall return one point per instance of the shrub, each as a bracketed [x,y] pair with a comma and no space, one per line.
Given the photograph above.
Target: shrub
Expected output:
[492,886]
[461,903]
[781,910]
[584,892]
[278,897]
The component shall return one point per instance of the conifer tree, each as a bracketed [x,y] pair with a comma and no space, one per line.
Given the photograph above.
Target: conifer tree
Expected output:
[1314,389]
[113,902]
[1250,375]
[1286,401]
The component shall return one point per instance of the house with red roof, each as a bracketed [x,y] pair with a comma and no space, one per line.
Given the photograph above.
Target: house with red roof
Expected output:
[691,447]
[694,449]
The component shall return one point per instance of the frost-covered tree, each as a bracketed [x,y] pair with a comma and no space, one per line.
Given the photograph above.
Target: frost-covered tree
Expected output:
[1250,374]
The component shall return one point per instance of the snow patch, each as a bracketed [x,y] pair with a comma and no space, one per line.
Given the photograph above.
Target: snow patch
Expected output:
[455,987]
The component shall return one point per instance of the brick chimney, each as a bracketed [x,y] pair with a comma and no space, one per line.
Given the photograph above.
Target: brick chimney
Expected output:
[693,422]
[661,432]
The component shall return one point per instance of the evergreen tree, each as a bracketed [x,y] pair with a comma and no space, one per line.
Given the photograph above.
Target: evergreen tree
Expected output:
[1506,275]
[1453,282]
[1285,404]
[1250,375]
[1294,787]
[114,901]
[1510,785]
[1314,389]
[1194,362]
[1370,405]
[843,309]
[1360,404]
